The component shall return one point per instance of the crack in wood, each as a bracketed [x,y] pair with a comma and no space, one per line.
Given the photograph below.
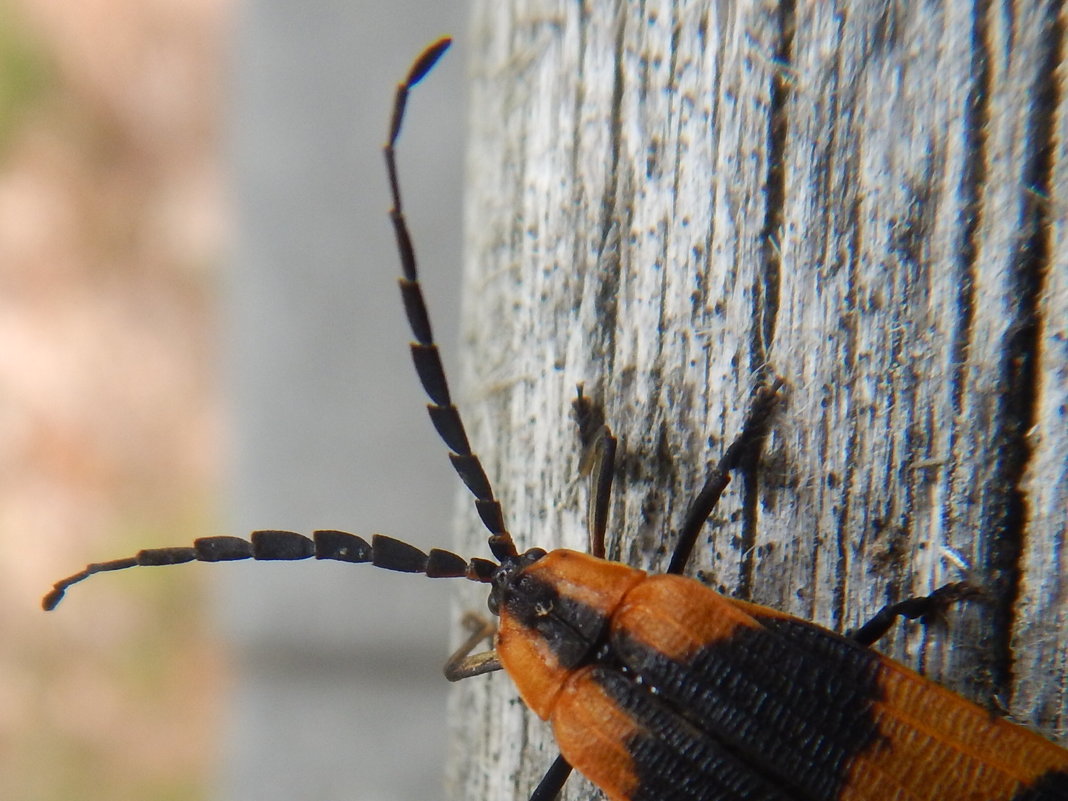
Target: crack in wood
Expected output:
[1007,504]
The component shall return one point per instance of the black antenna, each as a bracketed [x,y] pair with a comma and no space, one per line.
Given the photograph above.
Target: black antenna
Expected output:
[443,414]
[382,551]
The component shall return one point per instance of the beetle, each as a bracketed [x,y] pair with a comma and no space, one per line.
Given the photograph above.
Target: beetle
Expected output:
[658,687]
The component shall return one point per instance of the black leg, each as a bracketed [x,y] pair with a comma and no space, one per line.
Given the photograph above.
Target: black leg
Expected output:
[553,781]
[925,608]
[753,431]
[598,461]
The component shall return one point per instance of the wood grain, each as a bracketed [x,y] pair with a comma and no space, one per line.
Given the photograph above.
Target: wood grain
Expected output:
[869,201]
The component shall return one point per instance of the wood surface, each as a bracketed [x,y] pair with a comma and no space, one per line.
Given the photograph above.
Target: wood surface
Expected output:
[665,200]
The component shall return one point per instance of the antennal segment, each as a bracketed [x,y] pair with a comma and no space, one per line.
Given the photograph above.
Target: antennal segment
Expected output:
[443,413]
[382,551]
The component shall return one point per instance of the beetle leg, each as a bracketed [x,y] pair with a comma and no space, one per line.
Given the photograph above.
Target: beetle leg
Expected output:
[753,430]
[463,664]
[597,460]
[924,608]
[553,781]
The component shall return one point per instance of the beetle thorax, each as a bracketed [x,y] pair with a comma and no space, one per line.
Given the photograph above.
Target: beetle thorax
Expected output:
[555,610]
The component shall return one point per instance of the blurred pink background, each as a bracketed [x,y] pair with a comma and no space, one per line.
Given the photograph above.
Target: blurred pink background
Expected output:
[112,226]
[200,334]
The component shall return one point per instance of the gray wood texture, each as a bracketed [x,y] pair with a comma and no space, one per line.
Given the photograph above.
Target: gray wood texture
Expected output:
[865,198]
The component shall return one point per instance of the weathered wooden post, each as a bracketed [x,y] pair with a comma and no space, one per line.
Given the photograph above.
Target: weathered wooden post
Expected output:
[665,201]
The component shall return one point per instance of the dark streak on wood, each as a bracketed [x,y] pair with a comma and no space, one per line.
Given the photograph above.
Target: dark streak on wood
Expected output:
[766,287]
[976,113]
[1016,413]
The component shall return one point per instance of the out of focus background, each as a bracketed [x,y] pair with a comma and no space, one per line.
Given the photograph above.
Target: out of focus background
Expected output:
[200,334]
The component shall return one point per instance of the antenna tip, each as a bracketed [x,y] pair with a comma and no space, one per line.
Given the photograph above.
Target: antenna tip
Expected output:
[427,60]
[51,601]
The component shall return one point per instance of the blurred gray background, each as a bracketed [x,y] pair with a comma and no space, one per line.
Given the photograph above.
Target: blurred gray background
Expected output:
[337,689]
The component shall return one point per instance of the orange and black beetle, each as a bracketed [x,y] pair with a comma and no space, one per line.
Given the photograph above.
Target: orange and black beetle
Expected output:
[657,687]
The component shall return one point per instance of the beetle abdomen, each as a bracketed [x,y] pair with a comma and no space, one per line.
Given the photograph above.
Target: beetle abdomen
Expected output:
[706,701]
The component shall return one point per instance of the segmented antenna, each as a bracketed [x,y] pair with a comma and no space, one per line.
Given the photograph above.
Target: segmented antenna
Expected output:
[382,551]
[443,414]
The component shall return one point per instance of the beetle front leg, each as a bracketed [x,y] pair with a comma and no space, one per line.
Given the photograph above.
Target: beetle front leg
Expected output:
[598,461]
[463,664]
[754,429]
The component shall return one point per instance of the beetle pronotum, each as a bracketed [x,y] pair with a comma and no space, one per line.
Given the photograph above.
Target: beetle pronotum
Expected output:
[657,687]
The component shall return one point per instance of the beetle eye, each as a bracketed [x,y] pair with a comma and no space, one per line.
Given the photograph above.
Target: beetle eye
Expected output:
[493,604]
